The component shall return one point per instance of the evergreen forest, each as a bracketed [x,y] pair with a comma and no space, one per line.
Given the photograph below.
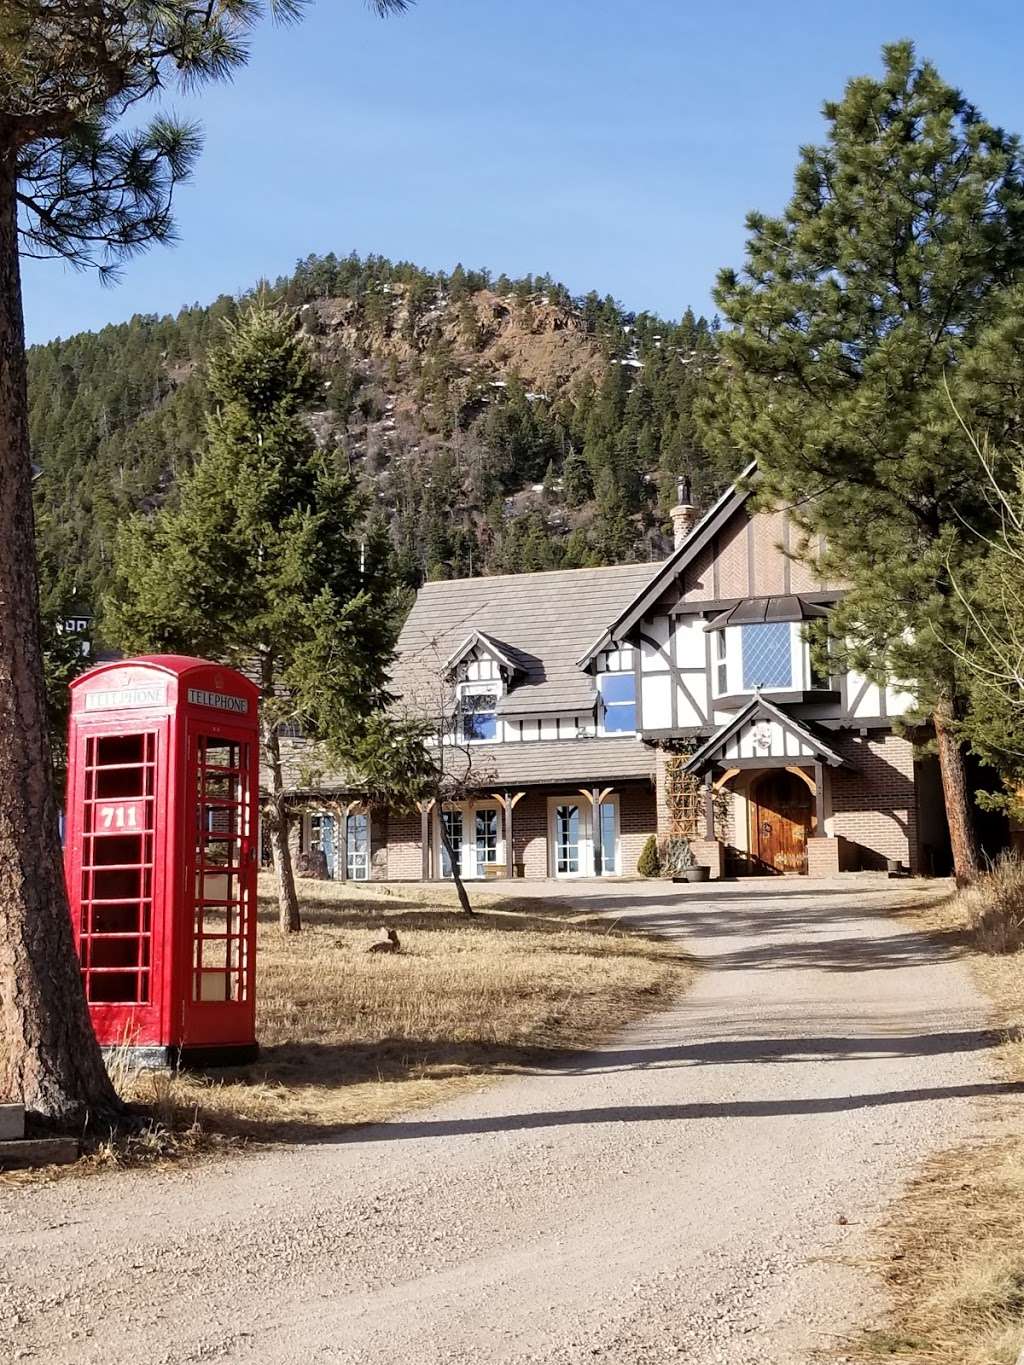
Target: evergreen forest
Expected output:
[497,425]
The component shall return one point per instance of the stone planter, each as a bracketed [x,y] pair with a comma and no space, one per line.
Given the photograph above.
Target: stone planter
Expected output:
[694,874]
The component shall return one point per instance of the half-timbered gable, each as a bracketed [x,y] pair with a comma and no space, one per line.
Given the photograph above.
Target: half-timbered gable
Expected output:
[728,678]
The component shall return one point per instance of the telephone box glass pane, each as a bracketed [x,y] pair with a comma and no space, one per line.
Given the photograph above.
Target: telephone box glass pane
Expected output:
[117,868]
[222,903]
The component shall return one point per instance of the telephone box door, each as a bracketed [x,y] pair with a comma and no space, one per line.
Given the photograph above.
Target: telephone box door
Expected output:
[115,863]
[221,879]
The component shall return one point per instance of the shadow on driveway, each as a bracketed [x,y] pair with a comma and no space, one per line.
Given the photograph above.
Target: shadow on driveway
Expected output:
[660,1113]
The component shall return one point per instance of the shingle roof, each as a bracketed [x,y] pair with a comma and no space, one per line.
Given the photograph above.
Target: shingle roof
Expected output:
[758,610]
[574,762]
[547,619]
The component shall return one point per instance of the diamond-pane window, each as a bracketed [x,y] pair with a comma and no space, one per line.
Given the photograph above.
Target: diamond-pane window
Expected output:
[767,658]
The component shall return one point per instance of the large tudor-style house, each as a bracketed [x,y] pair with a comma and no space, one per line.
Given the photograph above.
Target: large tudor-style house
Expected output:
[599,706]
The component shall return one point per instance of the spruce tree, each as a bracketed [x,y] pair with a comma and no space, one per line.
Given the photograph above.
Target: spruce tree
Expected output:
[851,309]
[261,562]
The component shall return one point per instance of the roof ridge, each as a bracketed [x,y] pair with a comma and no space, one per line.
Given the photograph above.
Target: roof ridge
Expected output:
[539,573]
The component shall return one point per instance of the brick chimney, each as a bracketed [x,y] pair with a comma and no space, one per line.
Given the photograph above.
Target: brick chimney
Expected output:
[684,514]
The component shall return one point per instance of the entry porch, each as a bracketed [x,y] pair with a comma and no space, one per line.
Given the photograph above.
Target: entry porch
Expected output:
[763,788]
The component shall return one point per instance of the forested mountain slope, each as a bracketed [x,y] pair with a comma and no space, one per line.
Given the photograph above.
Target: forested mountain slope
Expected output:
[498,425]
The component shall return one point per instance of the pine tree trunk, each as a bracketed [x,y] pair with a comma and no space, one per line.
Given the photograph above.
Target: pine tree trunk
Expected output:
[277,817]
[49,1058]
[460,885]
[959,815]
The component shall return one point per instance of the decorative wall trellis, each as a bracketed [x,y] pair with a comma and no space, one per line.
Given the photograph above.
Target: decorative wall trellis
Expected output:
[685,798]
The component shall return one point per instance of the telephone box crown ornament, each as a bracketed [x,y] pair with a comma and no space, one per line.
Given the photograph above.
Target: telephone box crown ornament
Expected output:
[161,856]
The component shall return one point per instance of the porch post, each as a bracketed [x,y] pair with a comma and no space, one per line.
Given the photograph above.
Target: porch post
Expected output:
[425,809]
[709,805]
[510,854]
[819,797]
[341,846]
[595,824]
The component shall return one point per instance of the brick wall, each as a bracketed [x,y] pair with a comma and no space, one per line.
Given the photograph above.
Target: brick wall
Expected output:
[379,843]
[638,820]
[396,853]
[530,833]
[404,855]
[874,803]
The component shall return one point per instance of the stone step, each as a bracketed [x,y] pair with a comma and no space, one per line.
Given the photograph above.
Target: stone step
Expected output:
[12,1121]
[58,1151]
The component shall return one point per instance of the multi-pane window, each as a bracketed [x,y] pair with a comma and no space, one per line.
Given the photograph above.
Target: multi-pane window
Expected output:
[358,846]
[721,664]
[223,903]
[567,840]
[321,838]
[486,836]
[618,699]
[453,828]
[609,858]
[767,655]
[478,713]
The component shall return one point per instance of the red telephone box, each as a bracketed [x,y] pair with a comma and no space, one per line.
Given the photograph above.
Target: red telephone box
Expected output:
[161,856]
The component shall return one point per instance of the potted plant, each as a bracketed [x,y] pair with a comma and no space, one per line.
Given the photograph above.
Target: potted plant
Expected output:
[682,864]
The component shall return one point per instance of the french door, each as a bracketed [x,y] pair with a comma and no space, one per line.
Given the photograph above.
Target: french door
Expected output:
[475,835]
[453,828]
[321,838]
[572,848]
[570,837]
[357,850]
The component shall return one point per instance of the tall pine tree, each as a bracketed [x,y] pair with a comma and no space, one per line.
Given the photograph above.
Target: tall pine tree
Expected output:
[851,309]
[263,563]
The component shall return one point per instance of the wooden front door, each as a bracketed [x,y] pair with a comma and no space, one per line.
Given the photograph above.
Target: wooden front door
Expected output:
[781,810]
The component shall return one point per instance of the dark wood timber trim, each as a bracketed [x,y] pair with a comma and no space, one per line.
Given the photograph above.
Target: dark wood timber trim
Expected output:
[675,674]
[819,797]
[782,761]
[849,715]
[751,574]
[735,700]
[708,677]
[425,833]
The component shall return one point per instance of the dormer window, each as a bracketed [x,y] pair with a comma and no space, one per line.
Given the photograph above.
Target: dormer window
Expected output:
[478,712]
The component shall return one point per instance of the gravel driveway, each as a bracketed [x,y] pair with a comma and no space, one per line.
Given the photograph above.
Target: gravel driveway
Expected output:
[690,1192]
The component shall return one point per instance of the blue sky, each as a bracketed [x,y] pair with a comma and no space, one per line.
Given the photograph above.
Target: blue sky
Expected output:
[616,145]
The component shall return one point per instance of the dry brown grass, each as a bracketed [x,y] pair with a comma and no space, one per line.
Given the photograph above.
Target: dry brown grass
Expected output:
[957,1271]
[992,911]
[349,1037]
